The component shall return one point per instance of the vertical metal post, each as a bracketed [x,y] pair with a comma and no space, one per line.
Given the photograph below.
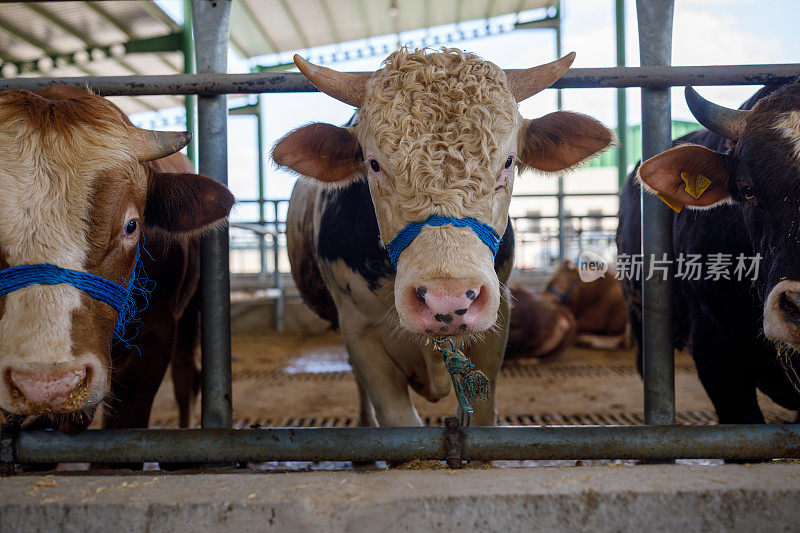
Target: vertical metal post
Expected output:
[276,273]
[562,245]
[189,68]
[212,29]
[655,46]
[622,101]
[262,242]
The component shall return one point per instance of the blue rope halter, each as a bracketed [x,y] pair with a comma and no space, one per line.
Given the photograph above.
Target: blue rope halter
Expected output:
[118,296]
[485,233]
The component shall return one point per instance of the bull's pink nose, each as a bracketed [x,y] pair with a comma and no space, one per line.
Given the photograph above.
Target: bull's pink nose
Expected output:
[447,307]
[47,387]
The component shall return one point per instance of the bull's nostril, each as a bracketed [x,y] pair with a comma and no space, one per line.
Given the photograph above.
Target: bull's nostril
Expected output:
[461,312]
[421,292]
[790,306]
[470,294]
[443,318]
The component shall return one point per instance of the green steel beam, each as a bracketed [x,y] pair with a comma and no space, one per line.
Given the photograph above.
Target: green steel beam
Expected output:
[326,11]
[273,68]
[549,22]
[295,24]
[261,30]
[189,67]
[244,110]
[459,11]
[172,42]
[622,103]
[262,175]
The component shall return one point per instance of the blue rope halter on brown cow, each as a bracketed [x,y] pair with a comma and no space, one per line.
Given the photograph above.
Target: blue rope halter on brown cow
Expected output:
[120,297]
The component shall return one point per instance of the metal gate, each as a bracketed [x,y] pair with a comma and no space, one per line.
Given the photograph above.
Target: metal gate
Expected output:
[658,439]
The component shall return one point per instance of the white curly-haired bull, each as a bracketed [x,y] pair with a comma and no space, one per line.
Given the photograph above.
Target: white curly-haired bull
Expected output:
[433,148]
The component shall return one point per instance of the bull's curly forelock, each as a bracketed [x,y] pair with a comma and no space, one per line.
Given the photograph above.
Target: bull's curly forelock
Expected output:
[439,121]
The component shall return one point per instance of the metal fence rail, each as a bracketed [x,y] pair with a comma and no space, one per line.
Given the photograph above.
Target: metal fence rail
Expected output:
[294,82]
[401,444]
[450,443]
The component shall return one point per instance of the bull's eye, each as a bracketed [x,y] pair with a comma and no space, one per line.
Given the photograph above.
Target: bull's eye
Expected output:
[509,161]
[374,165]
[748,193]
[130,227]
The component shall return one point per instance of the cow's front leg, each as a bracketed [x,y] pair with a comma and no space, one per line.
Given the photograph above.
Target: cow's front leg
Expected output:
[488,357]
[385,384]
[366,413]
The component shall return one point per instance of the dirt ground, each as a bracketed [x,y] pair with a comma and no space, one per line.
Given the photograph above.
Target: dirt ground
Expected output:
[287,380]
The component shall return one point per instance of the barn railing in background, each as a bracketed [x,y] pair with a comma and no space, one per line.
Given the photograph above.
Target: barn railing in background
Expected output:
[451,443]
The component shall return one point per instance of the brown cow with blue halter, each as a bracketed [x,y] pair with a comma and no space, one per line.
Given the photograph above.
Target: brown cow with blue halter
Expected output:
[395,229]
[89,206]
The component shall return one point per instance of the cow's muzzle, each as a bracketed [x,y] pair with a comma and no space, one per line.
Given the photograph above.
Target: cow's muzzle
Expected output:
[782,314]
[38,389]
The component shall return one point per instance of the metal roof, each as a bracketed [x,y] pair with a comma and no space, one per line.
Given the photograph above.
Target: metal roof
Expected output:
[72,38]
[260,27]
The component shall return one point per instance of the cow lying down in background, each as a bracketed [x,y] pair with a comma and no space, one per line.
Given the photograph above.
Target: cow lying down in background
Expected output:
[87,197]
[540,327]
[395,229]
[592,314]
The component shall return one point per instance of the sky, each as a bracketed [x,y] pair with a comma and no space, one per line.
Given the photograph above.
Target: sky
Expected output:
[713,32]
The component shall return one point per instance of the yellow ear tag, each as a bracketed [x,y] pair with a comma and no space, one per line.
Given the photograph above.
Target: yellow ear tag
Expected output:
[696,185]
[674,206]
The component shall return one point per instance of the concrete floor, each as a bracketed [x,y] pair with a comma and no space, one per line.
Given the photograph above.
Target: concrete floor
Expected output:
[682,498]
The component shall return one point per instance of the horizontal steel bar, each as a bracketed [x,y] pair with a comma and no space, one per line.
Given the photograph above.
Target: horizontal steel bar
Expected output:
[394,444]
[293,82]
[231,445]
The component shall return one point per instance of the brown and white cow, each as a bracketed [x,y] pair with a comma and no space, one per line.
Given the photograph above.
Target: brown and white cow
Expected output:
[436,134]
[599,306]
[81,190]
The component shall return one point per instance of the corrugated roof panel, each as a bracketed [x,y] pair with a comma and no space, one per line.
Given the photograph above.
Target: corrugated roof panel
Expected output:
[30,31]
[308,35]
[444,12]
[300,24]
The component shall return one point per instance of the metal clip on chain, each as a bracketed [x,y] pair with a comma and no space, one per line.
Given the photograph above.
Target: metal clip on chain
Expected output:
[469,385]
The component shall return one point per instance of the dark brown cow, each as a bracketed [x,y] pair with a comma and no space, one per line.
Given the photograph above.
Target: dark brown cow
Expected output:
[81,191]
[539,326]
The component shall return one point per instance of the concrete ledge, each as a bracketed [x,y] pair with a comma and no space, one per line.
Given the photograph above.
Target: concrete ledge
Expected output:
[607,498]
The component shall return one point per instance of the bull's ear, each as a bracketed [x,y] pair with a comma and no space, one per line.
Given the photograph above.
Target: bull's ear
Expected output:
[321,151]
[687,175]
[186,203]
[561,140]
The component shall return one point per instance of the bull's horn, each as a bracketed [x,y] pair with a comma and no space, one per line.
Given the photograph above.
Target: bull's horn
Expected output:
[345,87]
[526,83]
[151,144]
[728,123]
